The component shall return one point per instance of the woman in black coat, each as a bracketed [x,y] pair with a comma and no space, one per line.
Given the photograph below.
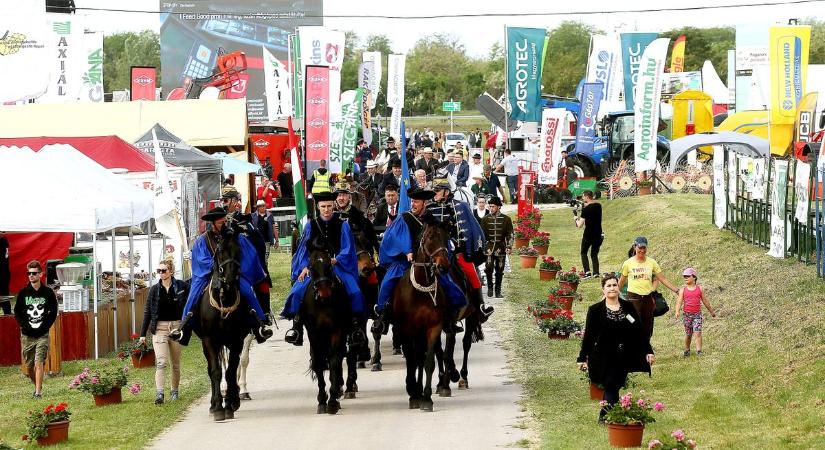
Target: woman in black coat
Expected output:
[614,343]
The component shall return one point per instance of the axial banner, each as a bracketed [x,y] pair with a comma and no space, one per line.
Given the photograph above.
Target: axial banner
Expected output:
[552,126]
[277,83]
[788,54]
[316,112]
[633,47]
[648,95]
[524,49]
[68,59]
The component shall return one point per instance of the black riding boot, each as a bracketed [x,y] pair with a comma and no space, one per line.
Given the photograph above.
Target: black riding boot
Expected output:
[381,324]
[453,324]
[260,332]
[499,277]
[295,335]
[482,308]
[490,283]
[357,337]
[183,333]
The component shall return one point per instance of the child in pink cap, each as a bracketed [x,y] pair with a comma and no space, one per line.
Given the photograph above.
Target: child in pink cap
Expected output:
[691,298]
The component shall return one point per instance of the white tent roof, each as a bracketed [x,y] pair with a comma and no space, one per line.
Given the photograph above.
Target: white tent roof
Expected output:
[74,192]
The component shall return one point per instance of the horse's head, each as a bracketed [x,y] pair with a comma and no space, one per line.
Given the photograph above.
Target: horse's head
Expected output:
[226,264]
[433,247]
[320,268]
[366,260]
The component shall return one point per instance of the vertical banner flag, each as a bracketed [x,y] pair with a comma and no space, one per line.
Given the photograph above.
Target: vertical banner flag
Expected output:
[377,73]
[731,81]
[342,150]
[403,196]
[277,86]
[68,59]
[802,179]
[366,117]
[320,46]
[633,46]
[395,124]
[297,178]
[524,49]
[366,75]
[646,111]
[396,68]
[316,112]
[552,128]
[586,129]
[759,176]
[604,67]
[789,64]
[677,57]
[297,75]
[164,207]
[144,80]
[24,44]
[732,181]
[720,206]
[751,55]
[778,197]
[93,72]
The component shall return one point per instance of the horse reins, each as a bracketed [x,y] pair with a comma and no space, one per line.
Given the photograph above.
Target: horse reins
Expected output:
[224,311]
[432,289]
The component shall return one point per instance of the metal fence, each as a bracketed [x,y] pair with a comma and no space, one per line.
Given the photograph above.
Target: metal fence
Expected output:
[819,220]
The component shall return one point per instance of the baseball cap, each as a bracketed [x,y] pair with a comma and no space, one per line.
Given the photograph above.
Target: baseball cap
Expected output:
[640,241]
[260,203]
[689,272]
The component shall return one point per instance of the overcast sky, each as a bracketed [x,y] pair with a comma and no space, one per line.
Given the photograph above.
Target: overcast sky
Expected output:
[478,34]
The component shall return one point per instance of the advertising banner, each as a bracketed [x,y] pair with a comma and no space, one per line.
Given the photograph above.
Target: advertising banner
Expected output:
[648,95]
[525,46]
[677,58]
[321,46]
[759,178]
[788,56]
[802,180]
[778,198]
[395,124]
[24,45]
[374,84]
[604,66]
[193,33]
[342,150]
[674,83]
[239,87]
[366,117]
[316,112]
[751,55]
[297,75]
[277,84]
[720,206]
[68,59]
[143,82]
[633,47]
[396,67]
[806,118]
[552,128]
[586,128]
[93,73]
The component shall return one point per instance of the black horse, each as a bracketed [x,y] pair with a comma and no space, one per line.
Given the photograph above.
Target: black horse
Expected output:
[223,324]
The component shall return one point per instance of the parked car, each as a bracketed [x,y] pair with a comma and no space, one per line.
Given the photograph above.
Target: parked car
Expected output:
[451,139]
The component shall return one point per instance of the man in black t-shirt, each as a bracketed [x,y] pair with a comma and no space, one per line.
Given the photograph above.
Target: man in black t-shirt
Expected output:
[592,238]
[35,311]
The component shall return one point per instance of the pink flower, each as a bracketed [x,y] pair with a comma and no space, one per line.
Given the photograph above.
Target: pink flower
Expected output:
[641,403]
[626,401]
[603,403]
[679,435]
[691,443]
[658,406]
[134,389]
[654,443]
[95,380]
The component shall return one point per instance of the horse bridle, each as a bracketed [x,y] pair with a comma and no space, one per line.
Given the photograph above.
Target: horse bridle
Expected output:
[430,268]
[224,311]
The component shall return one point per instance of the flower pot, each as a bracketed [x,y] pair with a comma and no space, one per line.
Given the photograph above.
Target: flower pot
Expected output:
[147,360]
[625,435]
[522,242]
[566,302]
[547,275]
[645,190]
[554,335]
[566,284]
[111,398]
[55,432]
[596,393]
[542,249]
[528,262]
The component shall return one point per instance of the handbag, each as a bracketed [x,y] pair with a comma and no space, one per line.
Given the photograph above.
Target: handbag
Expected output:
[661,307]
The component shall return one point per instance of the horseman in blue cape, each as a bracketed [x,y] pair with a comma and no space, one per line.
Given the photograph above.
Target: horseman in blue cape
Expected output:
[202,263]
[329,233]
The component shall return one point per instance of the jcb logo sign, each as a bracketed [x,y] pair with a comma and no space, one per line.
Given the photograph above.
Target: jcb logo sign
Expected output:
[804,130]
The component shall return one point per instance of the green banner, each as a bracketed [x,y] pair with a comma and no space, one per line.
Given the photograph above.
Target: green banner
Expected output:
[525,48]
[351,102]
[297,77]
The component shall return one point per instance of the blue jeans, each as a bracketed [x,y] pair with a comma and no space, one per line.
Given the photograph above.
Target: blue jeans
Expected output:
[512,183]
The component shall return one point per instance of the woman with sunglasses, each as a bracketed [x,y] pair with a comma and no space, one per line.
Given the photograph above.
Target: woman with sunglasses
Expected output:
[614,343]
[164,307]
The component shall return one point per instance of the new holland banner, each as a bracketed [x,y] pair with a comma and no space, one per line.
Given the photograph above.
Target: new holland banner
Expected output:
[375,80]
[648,96]
[277,86]
[677,58]
[604,66]
[788,54]
[524,49]
[586,129]
[633,47]
[316,112]
[93,72]
[552,126]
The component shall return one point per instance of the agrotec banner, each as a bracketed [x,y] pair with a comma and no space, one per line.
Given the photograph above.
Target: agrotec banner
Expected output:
[316,112]
[633,46]
[552,126]
[586,129]
[788,54]
[524,49]
[648,96]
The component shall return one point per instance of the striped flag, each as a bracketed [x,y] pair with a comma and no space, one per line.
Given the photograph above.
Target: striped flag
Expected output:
[297,180]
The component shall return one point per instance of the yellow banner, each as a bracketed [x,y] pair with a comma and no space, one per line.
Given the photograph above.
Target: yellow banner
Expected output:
[788,54]
[677,57]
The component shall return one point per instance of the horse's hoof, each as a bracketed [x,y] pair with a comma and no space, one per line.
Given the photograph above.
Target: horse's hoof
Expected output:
[229,413]
[445,392]
[396,351]
[376,367]
[454,376]
[415,403]
[349,395]
[219,415]
[340,395]
[322,409]
[427,405]
[362,365]
[333,407]
[462,384]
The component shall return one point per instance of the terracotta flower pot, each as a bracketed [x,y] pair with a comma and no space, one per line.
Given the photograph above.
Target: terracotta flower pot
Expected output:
[522,242]
[147,360]
[542,249]
[111,398]
[55,432]
[528,262]
[596,393]
[625,435]
[547,275]
[554,335]
[566,302]
[645,190]
[566,284]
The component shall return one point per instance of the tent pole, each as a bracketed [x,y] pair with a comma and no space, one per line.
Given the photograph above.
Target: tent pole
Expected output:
[132,278]
[114,287]
[94,286]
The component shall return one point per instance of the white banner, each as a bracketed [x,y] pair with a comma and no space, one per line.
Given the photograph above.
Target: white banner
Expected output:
[68,59]
[758,179]
[25,57]
[375,80]
[92,90]
[719,204]
[732,178]
[395,81]
[395,126]
[648,96]
[277,85]
[321,46]
[778,198]
[605,66]
[549,155]
[801,182]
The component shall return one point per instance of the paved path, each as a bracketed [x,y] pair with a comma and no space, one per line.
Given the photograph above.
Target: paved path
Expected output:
[282,413]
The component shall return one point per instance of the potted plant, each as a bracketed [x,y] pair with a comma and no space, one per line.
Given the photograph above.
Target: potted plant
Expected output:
[528,255]
[49,426]
[677,440]
[523,233]
[645,186]
[104,383]
[549,267]
[564,296]
[142,353]
[540,241]
[596,389]
[627,418]
[570,279]
[561,325]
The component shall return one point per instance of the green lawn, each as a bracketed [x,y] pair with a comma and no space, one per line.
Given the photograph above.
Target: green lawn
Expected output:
[759,385]
[135,422]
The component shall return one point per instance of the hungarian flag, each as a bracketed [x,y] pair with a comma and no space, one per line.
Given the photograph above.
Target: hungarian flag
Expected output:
[297,180]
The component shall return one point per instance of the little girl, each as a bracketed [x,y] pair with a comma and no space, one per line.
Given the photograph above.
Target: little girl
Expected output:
[690,297]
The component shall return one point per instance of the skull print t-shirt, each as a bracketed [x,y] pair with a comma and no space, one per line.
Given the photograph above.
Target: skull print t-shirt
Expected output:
[35,310]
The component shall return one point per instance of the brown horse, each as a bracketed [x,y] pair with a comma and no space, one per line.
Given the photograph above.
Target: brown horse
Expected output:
[419,307]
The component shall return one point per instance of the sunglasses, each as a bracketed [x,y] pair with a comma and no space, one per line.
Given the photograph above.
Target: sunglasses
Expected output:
[163,270]
[34,274]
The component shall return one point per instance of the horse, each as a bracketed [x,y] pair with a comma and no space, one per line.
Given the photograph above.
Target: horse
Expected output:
[419,307]
[223,324]
[327,317]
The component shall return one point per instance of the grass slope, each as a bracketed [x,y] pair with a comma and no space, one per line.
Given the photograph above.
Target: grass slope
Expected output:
[759,385]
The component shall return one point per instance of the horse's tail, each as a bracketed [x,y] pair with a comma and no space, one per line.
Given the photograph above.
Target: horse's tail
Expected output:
[310,371]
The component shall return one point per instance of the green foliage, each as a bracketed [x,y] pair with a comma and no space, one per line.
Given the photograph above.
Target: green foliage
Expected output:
[817,53]
[566,61]
[122,51]
[702,44]
[37,421]
[632,411]
[101,380]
